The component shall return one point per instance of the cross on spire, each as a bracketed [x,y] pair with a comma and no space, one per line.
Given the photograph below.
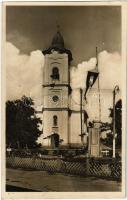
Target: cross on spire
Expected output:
[58,27]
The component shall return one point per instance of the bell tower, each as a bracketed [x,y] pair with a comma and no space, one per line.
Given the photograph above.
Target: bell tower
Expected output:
[56,87]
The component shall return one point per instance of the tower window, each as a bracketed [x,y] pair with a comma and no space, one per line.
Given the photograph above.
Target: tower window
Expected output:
[55,73]
[55,120]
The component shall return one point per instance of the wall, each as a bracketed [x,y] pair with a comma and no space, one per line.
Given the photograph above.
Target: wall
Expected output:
[62,129]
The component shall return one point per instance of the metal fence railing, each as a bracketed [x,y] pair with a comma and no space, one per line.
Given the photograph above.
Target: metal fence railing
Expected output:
[104,168]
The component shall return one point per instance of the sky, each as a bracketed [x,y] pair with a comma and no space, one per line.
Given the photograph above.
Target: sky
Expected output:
[83,28]
[31,29]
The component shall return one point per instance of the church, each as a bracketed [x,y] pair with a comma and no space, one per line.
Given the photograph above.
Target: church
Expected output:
[63,124]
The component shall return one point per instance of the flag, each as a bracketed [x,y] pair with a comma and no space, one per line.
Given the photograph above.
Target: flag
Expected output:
[90,80]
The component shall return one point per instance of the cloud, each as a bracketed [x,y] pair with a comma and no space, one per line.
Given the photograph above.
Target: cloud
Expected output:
[110,74]
[24,77]
[23,73]
[109,65]
[110,70]
[78,74]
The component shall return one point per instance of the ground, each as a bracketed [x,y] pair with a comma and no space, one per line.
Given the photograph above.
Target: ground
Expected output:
[23,180]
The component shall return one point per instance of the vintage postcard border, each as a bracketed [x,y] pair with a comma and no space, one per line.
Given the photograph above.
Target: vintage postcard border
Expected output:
[66,195]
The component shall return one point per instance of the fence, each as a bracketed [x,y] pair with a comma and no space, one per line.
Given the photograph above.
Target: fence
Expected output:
[103,168]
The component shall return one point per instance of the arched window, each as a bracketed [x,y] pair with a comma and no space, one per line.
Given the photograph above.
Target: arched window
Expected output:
[55,120]
[55,73]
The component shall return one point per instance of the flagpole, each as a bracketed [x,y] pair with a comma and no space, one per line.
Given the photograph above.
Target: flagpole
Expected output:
[81,91]
[99,98]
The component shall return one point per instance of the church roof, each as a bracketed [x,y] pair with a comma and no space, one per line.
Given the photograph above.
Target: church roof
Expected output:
[58,45]
[58,40]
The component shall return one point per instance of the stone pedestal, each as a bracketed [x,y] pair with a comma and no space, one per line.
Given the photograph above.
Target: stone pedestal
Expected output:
[94,140]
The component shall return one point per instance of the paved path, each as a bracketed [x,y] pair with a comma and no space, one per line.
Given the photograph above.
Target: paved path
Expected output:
[45,182]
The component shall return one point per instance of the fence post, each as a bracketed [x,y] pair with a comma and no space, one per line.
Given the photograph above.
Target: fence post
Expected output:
[33,162]
[13,161]
[63,166]
[60,165]
[87,166]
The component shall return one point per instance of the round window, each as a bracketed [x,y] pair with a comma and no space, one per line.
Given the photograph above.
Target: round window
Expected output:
[55,98]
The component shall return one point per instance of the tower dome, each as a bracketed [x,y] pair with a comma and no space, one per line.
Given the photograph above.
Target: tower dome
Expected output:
[58,41]
[57,44]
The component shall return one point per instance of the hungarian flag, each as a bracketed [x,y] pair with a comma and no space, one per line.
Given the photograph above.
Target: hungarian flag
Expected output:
[90,80]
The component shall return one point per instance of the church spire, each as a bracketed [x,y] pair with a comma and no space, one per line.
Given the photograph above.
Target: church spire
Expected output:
[57,44]
[58,27]
[58,41]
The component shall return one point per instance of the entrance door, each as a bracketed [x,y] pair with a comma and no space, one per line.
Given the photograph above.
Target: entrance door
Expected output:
[55,140]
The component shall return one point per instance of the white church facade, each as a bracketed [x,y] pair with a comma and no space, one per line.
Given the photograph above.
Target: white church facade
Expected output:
[62,125]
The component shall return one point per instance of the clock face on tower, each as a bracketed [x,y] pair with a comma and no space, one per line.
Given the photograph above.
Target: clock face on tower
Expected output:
[55,98]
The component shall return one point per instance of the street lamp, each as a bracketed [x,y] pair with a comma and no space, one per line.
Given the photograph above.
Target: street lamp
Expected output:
[115,91]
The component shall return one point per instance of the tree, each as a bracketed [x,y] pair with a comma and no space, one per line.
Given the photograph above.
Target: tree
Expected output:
[118,122]
[109,127]
[22,124]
